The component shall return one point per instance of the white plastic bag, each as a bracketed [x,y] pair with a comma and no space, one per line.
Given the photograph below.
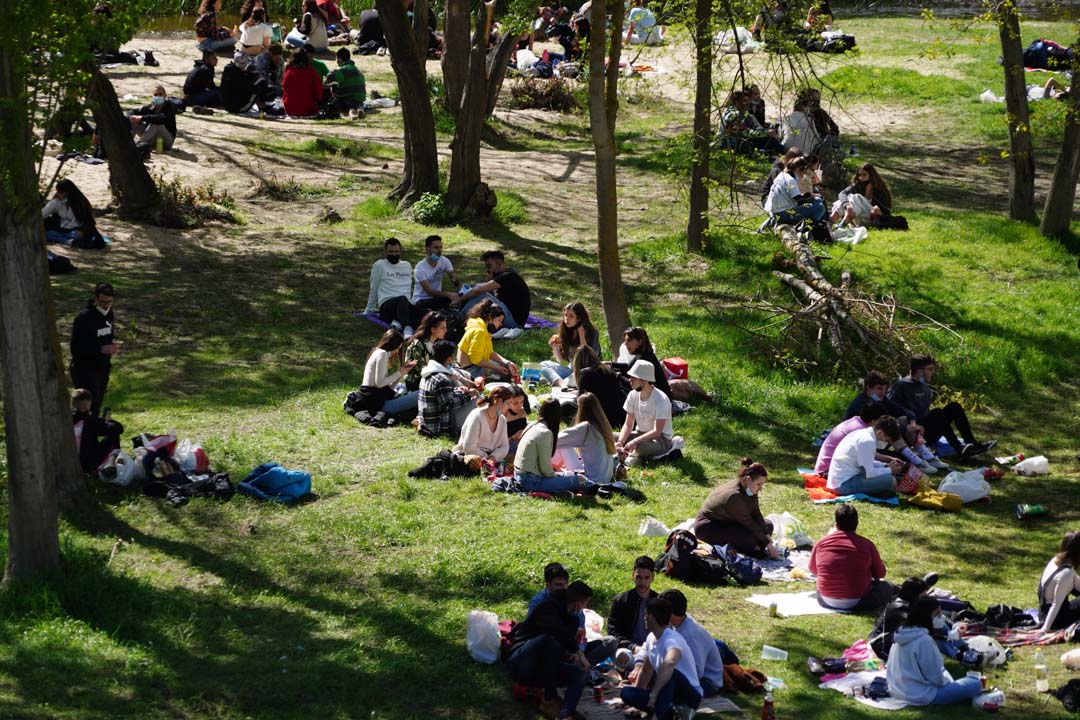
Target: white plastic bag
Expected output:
[191,457]
[1071,659]
[482,636]
[594,625]
[526,58]
[651,527]
[1037,465]
[119,469]
[991,648]
[788,527]
[970,485]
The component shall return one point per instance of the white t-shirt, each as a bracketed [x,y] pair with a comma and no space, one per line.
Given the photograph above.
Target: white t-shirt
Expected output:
[434,276]
[63,211]
[853,455]
[255,34]
[655,650]
[647,412]
[782,194]
[388,280]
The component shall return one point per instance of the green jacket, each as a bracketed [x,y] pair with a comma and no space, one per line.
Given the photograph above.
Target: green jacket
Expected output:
[350,81]
[320,67]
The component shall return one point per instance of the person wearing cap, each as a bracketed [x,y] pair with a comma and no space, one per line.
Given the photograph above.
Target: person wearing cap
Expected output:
[710,666]
[647,430]
[93,343]
[669,675]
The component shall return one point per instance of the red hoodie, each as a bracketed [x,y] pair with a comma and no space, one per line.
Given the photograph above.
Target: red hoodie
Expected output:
[302,91]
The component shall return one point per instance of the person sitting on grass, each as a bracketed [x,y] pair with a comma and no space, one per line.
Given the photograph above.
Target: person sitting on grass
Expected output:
[533,470]
[155,124]
[858,468]
[636,346]
[504,286]
[588,446]
[545,651]
[69,218]
[377,388]
[301,88]
[893,616]
[787,201]
[517,416]
[849,570]
[647,431]
[741,130]
[199,87]
[95,436]
[668,678]
[626,618]
[350,89]
[593,376]
[868,414]
[867,201]
[797,129]
[1058,583]
[210,37]
[428,291]
[776,170]
[484,431]
[444,405]
[915,394]
[575,331]
[476,353]
[710,665]
[430,330]
[389,289]
[255,36]
[556,578]
[915,669]
[310,29]
[911,446]
[270,67]
[731,514]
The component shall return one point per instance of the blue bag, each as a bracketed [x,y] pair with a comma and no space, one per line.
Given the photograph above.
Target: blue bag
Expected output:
[741,569]
[270,481]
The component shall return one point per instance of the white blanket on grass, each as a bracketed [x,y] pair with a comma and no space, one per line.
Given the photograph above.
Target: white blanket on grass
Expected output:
[612,707]
[847,684]
[793,604]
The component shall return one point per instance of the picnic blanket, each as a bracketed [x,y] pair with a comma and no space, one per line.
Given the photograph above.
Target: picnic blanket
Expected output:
[612,707]
[793,604]
[848,684]
[1013,637]
[780,569]
[816,487]
[533,322]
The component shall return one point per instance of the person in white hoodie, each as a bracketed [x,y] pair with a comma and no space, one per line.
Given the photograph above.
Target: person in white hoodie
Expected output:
[915,670]
[484,431]
[390,289]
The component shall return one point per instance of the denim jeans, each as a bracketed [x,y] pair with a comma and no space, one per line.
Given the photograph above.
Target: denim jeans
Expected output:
[508,319]
[883,485]
[810,211]
[678,691]
[531,482]
[539,663]
[206,98]
[400,404]
[963,689]
[553,371]
[209,45]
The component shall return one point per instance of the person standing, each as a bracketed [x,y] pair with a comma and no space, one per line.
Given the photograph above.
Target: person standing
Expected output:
[93,344]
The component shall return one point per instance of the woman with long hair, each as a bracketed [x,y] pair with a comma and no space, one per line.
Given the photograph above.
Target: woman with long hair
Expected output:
[476,352]
[255,34]
[867,201]
[575,331]
[588,446]
[533,470]
[69,217]
[431,329]
[636,346]
[484,431]
[377,389]
[1058,582]
[516,412]
[915,669]
[301,88]
[210,37]
[593,376]
[732,516]
[311,28]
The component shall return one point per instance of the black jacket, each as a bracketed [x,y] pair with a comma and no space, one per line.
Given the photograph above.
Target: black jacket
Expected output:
[98,438]
[200,78]
[891,408]
[623,616]
[89,332]
[159,115]
[550,617]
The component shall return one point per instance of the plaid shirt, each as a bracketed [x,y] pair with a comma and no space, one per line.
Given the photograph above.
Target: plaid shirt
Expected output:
[438,400]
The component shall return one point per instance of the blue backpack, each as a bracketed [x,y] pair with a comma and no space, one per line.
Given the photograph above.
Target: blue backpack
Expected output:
[270,481]
[741,569]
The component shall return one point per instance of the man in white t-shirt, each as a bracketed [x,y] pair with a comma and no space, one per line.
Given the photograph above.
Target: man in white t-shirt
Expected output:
[855,467]
[710,666]
[668,679]
[428,293]
[391,287]
[647,430]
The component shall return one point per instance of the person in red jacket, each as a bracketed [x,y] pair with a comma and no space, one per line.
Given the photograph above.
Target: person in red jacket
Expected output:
[302,90]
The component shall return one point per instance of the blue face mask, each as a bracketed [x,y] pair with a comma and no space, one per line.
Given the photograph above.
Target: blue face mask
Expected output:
[433,257]
[748,491]
[875,397]
[158,100]
[923,380]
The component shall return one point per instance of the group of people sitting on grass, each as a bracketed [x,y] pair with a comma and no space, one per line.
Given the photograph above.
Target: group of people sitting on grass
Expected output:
[415,369]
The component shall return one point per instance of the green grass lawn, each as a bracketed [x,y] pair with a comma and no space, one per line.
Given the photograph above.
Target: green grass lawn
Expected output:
[354,605]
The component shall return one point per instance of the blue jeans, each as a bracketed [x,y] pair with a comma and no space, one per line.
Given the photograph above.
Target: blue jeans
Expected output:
[206,98]
[209,45]
[408,401]
[508,319]
[296,39]
[810,211]
[678,691]
[553,371]
[539,663]
[531,482]
[963,689]
[883,485]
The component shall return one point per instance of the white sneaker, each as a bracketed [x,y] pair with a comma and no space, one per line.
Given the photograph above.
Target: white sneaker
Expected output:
[925,453]
[408,332]
[507,333]
[936,462]
[395,325]
[927,468]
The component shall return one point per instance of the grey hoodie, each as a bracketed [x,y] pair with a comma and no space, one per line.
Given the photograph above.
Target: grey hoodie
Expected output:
[915,669]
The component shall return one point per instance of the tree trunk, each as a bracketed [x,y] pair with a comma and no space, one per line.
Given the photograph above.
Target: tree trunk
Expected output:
[421,173]
[697,224]
[1057,214]
[129,179]
[603,111]
[1021,157]
[39,439]
[484,80]
[455,59]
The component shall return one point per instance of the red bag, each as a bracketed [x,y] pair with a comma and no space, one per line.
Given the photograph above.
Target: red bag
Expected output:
[910,482]
[676,368]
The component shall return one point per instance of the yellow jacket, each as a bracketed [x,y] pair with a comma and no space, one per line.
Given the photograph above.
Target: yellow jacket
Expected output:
[476,343]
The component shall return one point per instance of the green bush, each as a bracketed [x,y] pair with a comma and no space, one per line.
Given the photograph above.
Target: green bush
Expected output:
[544,94]
[431,209]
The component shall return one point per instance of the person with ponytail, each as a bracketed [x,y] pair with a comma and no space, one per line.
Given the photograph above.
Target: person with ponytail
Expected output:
[591,437]
[69,218]
[533,470]
[484,431]
[731,515]
[377,389]
[575,331]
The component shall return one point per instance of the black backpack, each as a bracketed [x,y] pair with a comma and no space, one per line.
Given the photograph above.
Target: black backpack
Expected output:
[237,88]
[681,562]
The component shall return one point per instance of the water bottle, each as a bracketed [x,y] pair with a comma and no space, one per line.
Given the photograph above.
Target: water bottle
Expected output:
[1023,512]
[1042,678]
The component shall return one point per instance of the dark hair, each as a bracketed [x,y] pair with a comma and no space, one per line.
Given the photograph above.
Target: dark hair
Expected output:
[1069,550]
[751,469]
[103,288]
[555,570]
[429,322]
[912,589]
[390,341]
[275,49]
[919,361]
[486,309]
[442,351]
[846,518]
[676,600]
[343,54]
[430,239]
[660,609]
[550,415]
[312,6]
[501,393]
[493,255]
[873,379]
[792,153]
[81,395]
[798,164]
[204,7]
[79,205]
[391,241]
[638,333]
[585,357]
[888,425]
[299,58]
[208,55]
[922,612]
[871,411]
[568,336]
[644,562]
[879,188]
[258,15]
[577,591]
[309,48]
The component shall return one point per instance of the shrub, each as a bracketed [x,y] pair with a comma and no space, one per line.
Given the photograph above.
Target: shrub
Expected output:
[544,94]
[431,209]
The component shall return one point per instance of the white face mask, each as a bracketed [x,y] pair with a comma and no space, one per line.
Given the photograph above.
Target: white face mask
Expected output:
[881,444]
[939,622]
[748,491]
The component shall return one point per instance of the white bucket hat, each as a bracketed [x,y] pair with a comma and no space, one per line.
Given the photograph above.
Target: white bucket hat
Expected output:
[643,370]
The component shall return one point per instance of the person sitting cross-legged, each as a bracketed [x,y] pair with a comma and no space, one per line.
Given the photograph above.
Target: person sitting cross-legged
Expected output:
[557,578]
[915,669]
[647,431]
[626,619]
[857,468]
[848,567]
[710,665]
[444,406]
[668,678]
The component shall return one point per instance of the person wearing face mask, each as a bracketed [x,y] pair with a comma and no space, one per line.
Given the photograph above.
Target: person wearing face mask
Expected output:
[858,468]
[93,344]
[731,514]
[647,431]
[484,431]
[476,353]
[350,88]
[155,124]
[868,413]
[428,291]
[910,447]
[390,286]
[849,570]
[915,670]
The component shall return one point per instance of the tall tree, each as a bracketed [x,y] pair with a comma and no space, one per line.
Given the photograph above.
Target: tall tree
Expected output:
[1021,155]
[697,224]
[605,45]
[408,43]
[1057,213]
[486,71]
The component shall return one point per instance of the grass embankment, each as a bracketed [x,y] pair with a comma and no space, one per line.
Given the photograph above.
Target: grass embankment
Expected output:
[354,605]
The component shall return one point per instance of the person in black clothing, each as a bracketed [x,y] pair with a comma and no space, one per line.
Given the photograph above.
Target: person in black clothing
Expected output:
[637,346]
[155,123]
[503,285]
[545,651]
[626,619]
[908,447]
[93,344]
[199,87]
[591,375]
[95,436]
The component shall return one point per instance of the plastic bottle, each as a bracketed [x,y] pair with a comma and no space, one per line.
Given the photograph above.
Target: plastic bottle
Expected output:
[1024,512]
[860,665]
[1012,459]
[1042,678]
[768,708]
